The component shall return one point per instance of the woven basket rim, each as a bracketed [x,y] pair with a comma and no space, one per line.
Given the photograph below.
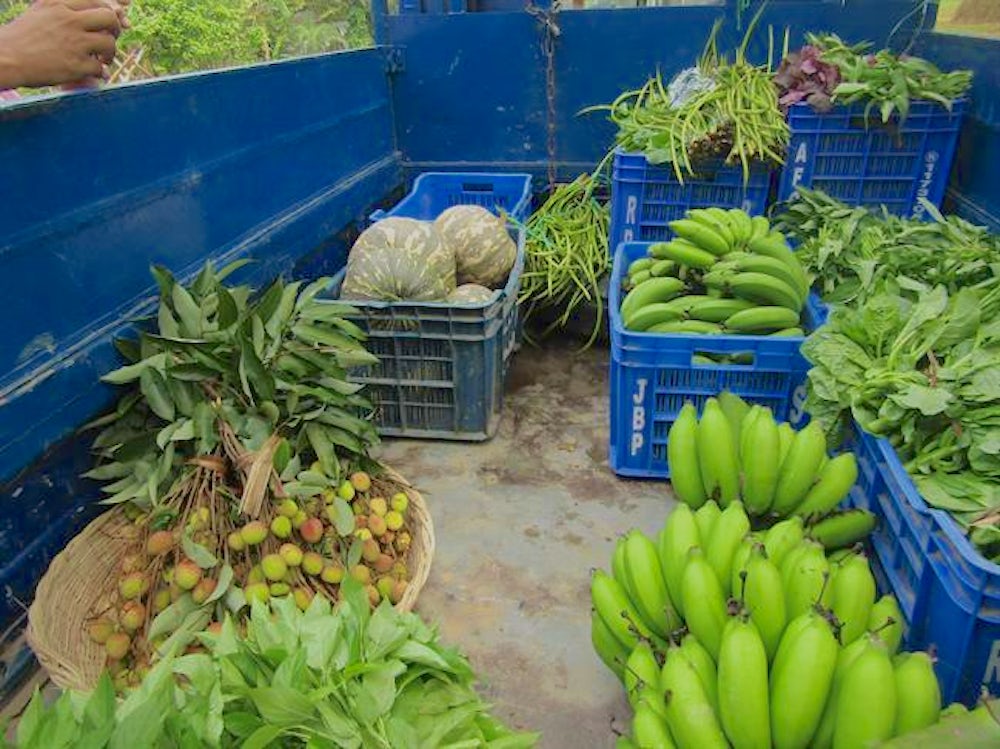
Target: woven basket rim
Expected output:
[86,570]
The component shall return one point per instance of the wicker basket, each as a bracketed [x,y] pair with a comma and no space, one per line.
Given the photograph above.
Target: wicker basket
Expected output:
[83,579]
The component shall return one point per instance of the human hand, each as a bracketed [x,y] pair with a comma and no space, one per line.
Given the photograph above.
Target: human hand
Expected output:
[59,41]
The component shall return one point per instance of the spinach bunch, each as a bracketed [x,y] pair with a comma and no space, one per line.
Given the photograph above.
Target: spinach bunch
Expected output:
[921,367]
[343,677]
[853,253]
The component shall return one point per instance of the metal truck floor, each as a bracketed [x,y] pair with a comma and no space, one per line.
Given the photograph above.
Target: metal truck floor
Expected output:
[520,521]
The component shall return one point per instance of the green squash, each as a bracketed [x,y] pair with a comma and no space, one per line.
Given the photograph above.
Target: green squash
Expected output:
[484,250]
[471,293]
[400,259]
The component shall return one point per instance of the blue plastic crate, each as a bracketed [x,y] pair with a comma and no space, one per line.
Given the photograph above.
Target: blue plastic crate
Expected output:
[442,367]
[877,165]
[653,375]
[948,593]
[645,198]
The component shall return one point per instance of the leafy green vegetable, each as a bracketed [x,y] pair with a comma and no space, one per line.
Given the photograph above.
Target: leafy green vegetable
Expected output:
[321,678]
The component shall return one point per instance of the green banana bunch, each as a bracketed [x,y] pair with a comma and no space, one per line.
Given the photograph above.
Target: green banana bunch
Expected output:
[734,270]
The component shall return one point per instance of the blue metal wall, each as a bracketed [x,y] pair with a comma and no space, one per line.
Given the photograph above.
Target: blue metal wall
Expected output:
[473,89]
[266,162]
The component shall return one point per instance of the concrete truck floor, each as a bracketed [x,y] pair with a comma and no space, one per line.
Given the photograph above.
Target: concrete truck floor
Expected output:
[520,522]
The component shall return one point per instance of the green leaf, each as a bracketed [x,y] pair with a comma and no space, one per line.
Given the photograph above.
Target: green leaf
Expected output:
[154,389]
[378,691]
[242,724]
[222,585]
[198,553]
[171,617]
[229,313]
[263,737]
[282,706]
[31,719]
[323,448]
[343,517]
[228,270]
[133,372]
[164,279]
[193,623]
[355,552]
[283,313]
[190,372]
[166,323]
[189,312]
[109,471]
[269,300]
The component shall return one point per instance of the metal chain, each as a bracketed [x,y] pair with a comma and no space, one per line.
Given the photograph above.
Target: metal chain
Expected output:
[550,32]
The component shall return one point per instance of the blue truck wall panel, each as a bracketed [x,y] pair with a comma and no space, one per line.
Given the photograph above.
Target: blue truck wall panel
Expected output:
[268,162]
[472,91]
[975,177]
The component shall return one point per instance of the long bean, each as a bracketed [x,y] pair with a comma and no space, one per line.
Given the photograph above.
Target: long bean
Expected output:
[566,254]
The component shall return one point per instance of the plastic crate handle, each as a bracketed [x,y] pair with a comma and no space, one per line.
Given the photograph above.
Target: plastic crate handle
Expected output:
[747,359]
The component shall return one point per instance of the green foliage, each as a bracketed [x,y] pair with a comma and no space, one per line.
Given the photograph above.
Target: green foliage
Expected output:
[10,9]
[206,34]
[326,677]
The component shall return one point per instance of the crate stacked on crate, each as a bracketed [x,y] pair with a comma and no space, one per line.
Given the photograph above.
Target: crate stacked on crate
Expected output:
[645,197]
[441,366]
[852,156]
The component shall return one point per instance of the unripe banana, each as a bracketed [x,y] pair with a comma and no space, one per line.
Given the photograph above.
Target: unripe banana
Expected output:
[795,332]
[852,598]
[765,289]
[651,291]
[686,327]
[741,225]
[643,318]
[761,227]
[701,660]
[687,253]
[719,225]
[743,687]
[735,408]
[729,532]
[618,562]
[704,602]
[775,246]
[886,621]
[843,528]
[690,716]
[646,583]
[762,320]
[643,263]
[637,278]
[760,467]
[706,517]
[650,728]
[918,694]
[807,581]
[739,567]
[717,455]
[764,598]
[719,310]
[679,535]
[748,262]
[746,425]
[866,706]
[798,470]
[642,674]
[708,239]
[823,738]
[616,610]
[786,435]
[624,742]
[834,482]
[800,680]
[682,458]
[782,538]
[607,646]
[663,268]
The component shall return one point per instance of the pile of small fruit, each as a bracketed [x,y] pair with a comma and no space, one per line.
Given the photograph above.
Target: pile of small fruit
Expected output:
[724,272]
[725,637]
[737,450]
[182,579]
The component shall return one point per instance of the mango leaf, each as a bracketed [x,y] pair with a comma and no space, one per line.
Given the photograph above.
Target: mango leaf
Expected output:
[133,372]
[222,585]
[283,312]
[198,553]
[154,389]
[188,311]
[164,279]
[108,471]
[227,270]
[343,517]
[171,617]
